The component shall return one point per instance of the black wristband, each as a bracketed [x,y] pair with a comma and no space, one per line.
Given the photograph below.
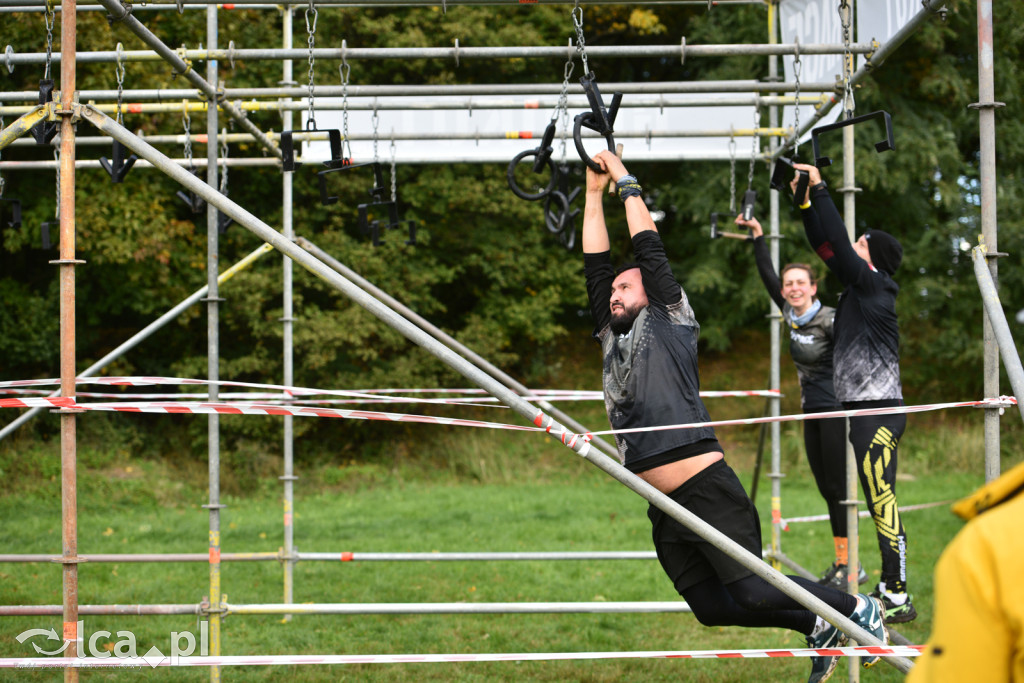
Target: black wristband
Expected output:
[820,186]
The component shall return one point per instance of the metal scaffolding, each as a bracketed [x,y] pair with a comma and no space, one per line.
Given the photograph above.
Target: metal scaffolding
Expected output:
[296,249]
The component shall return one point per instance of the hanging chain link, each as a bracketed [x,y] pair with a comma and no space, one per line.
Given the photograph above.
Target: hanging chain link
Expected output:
[119,72]
[311,41]
[345,70]
[394,185]
[562,108]
[797,66]
[186,123]
[581,44]
[56,157]
[375,119]
[2,181]
[223,161]
[754,147]
[844,17]
[732,173]
[49,16]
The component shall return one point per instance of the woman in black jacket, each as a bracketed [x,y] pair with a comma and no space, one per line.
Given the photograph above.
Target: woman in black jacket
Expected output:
[809,322]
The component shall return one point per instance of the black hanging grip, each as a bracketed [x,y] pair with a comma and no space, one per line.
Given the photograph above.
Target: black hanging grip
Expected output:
[194,201]
[45,131]
[511,174]
[780,179]
[117,166]
[598,119]
[749,199]
[888,144]
[15,220]
[333,138]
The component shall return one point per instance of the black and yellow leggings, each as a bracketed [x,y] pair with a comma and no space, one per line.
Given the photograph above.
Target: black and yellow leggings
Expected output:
[875,439]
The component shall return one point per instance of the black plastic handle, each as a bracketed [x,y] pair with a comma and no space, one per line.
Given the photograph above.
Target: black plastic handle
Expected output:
[749,199]
[886,145]
[585,119]
[511,175]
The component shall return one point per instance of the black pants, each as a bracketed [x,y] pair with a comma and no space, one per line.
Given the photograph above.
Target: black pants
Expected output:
[825,442]
[719,590]
[875,439]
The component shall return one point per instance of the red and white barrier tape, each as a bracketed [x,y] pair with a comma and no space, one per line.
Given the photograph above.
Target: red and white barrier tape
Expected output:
[863,513]
[1001,402]
[249,408]
[370,395]
[245,408]
[159,660]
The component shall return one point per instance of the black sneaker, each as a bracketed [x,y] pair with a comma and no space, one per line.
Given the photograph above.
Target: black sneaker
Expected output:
[895,614]
[836,576]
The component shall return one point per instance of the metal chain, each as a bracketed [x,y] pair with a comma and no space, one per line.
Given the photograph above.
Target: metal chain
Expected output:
[344,70]
[56,157]
[48,16]
[2,181]
[844,17]
[562,108]
[223,163]
[119,72]
[394,186]
[797,66]
[311,41]
[732,173]
[754,148]
[375,119]
[186,122]
[581,45]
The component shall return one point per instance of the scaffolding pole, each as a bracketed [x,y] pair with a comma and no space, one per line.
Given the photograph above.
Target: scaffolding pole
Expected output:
[405,103]
[287,320]
[986,106]
[997,319]
[575,442]
[457,53]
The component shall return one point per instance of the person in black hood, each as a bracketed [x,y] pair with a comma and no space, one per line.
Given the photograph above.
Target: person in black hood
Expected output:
[867,372]
[810,326]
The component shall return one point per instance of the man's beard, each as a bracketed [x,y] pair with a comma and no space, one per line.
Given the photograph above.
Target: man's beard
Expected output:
[622,321]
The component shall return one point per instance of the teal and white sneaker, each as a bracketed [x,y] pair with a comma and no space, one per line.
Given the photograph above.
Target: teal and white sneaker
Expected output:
[868,616]
[824,665]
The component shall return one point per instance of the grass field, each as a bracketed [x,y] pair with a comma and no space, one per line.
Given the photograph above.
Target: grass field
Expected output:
[439,489]
[522,495]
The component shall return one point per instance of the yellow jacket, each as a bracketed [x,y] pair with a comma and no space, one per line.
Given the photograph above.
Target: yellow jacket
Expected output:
[978,630]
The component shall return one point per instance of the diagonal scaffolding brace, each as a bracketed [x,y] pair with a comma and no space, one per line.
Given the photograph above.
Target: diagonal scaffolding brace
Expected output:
[576,442]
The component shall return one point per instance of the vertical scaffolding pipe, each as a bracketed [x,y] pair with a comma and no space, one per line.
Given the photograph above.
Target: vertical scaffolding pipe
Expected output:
[776,342]
[850,190]
[286,264]
[986,107]
[66,264]
[213,348]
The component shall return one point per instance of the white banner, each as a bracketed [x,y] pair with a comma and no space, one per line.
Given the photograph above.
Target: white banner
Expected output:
[818,21]
[521,129]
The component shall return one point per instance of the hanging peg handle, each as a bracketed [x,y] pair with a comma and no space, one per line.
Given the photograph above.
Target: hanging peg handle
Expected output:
[886,145]
[117,166]
[45,131]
